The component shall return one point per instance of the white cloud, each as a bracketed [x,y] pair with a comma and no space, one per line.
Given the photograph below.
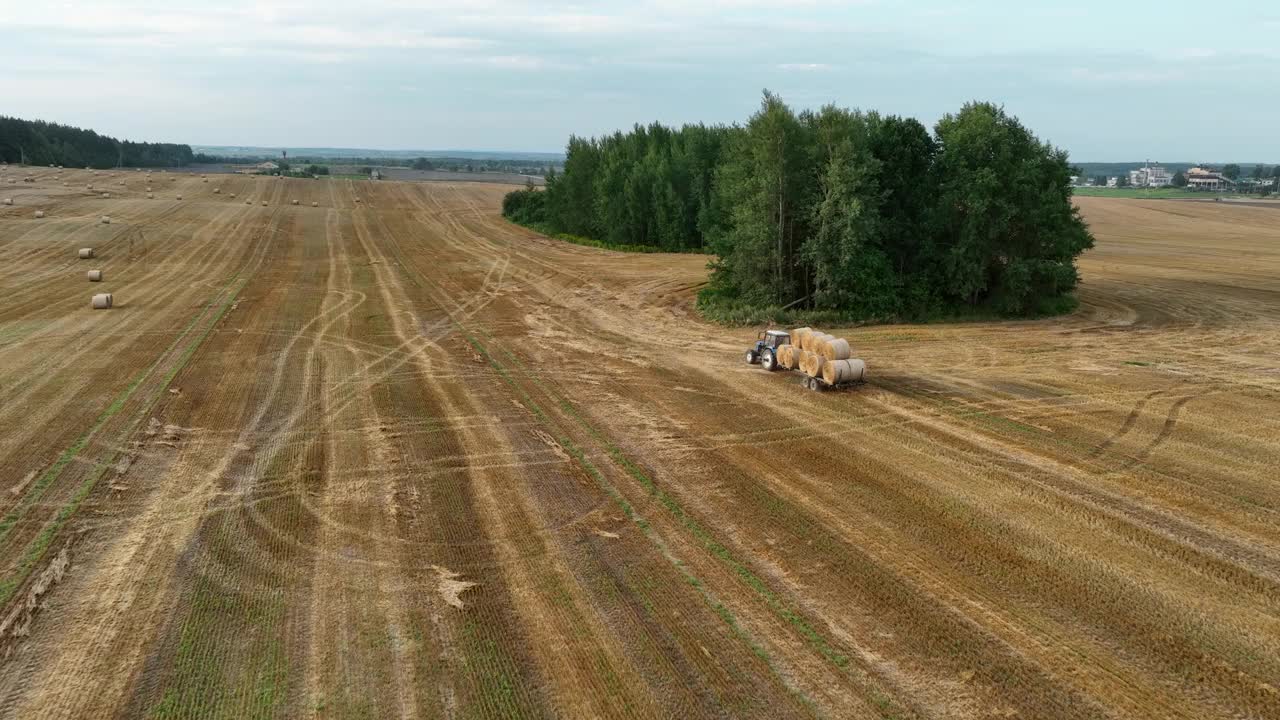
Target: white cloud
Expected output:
[804,67]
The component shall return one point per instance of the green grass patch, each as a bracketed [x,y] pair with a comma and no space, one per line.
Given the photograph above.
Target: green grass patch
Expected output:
[602,245]
[1149,193]
[735,313]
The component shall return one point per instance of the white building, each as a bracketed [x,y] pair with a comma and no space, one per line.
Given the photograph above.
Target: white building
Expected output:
[1113,182]
[1150,176]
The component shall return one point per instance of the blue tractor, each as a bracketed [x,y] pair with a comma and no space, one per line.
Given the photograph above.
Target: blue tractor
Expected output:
[765,352]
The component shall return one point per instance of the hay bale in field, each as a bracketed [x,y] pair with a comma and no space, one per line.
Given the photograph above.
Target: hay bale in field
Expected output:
[8,201]
[88,187]
[233,196]
[217,191]
[264,203]
[39,214]
[179,197]
[315,204]
[248,202]
[95,276]
[102,301]
[151,196]
[86,253]
[837,349]
[106,219]
[148,188]
[295,202]
[836,372]
[106,195]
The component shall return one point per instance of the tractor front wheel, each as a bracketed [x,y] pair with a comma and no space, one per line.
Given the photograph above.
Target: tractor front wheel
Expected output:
[752,357]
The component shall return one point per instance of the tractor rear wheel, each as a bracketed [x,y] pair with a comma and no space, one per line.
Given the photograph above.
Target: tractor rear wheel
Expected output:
[769,361]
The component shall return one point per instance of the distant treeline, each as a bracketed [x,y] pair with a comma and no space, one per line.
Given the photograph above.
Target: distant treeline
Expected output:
[836,213]
[42,143]
[451,164]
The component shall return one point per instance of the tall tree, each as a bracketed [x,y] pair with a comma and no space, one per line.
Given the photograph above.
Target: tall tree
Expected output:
[1231,171]
[762,185]
[1010,233]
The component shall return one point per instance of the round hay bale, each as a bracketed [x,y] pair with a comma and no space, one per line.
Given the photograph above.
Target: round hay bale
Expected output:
[205,180]
[248,202]
[102,301]
[106,195]
[148,188]
[811,363]
[837,349]
[39,214]
[179,197]
[315,204]
[88,187]
[151,196]
[264,203]
[86,253]
[217,191]
[95,275]
[789,356]
[837,372]
[106,219]
[8,201]
[797,336]
[202,175]
[295,202]
[233,196]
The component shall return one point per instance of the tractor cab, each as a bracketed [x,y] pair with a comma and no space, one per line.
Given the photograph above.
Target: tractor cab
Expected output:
[766,348]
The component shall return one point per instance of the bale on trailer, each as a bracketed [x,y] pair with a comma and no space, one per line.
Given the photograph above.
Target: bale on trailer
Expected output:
[811,363]
[39,214]
[95,276]
[798,336]
[837,349]
[86,253]
[102,301]
[837,372]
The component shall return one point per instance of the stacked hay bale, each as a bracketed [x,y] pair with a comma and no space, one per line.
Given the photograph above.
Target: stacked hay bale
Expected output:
[820,355]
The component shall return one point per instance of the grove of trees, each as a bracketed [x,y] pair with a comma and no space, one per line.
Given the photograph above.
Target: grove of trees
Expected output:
[42,143]
[843,212]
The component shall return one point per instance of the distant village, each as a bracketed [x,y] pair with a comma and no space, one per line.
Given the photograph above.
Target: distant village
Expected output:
[1229,178]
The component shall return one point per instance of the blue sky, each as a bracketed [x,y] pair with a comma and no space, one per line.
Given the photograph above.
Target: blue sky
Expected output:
[1114,80]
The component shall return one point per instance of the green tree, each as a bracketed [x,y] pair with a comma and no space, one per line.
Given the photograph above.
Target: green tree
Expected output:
[1010,234]
[763,186]
[1179,179]
[1231,171]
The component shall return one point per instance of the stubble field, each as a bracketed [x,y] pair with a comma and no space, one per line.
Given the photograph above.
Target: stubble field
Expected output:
[391,456]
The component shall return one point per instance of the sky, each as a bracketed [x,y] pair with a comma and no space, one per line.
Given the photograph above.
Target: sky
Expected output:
[1112,80]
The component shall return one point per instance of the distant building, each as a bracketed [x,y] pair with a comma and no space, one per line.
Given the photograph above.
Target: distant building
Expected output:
[374,174]
[1153,176]
[1201,178]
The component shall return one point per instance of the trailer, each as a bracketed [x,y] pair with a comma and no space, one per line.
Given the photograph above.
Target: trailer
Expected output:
[765,354]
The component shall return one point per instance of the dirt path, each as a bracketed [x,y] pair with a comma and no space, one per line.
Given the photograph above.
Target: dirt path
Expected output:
[391,456]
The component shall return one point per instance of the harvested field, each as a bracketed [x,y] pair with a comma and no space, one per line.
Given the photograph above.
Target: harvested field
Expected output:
[399,458]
